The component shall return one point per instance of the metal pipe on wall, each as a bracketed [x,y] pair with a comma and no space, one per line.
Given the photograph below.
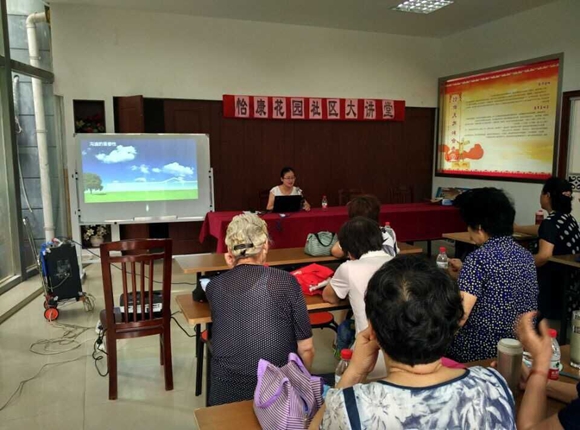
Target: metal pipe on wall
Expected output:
[40,123]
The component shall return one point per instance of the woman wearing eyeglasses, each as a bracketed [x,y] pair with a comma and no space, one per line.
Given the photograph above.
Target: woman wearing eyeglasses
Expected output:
[286,188]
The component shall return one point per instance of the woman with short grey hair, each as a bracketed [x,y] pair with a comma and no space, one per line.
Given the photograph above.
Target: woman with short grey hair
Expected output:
[257,312]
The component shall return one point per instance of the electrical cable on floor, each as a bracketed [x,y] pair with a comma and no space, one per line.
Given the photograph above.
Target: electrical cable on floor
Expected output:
[68,338]
[96,350]
[18,391]
[182,329]
[89,302]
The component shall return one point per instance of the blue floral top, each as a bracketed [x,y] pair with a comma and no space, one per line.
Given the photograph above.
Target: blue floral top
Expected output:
[478,399]
[502,275]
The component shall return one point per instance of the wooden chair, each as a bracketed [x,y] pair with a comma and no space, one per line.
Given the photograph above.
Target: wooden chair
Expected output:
[346,194]
[401,194]
[137,275]
[263,199]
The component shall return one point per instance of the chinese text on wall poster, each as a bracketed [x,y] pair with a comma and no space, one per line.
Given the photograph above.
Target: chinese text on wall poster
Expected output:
[500,124]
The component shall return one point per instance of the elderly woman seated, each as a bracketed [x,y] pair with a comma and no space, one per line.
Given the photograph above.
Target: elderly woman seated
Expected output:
[414,310]
[257,312]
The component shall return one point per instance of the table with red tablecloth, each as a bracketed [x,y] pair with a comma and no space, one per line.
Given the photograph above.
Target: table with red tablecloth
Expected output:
[411,222]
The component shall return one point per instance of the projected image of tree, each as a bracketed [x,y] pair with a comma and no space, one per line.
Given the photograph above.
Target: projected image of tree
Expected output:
[93,182]
[139,170]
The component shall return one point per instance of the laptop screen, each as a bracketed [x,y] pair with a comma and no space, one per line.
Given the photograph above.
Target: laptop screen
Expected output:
[287,204]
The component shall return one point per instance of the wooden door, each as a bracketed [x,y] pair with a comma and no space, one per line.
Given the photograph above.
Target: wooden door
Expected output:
[129,114]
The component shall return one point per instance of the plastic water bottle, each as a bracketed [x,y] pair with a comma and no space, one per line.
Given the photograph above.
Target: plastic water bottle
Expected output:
[390,246]
[390,230]
[442,259]
[554,372]
[345,356]
[324,203]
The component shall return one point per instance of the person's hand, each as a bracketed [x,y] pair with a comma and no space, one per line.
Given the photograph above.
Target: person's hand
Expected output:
[455,265]
[539,346]
[306,206]
[364,356]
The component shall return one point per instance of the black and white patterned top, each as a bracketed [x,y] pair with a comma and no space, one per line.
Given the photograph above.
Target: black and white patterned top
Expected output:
[257,312]
[478,399]
[502,275]
[562,231]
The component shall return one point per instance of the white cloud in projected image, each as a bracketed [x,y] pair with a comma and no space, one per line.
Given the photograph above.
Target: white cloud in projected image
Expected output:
[156,170]
[177,169]
[141,180]
[118,155]
[143,168]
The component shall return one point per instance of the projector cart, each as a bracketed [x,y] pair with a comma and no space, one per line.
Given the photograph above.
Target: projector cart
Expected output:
[58,266]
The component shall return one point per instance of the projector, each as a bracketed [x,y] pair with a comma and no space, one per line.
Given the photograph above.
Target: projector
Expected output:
[157,303]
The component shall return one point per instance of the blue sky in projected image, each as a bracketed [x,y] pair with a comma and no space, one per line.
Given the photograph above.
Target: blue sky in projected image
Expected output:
[133,160]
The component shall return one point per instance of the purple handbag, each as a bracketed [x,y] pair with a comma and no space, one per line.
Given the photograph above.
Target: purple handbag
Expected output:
[287,397]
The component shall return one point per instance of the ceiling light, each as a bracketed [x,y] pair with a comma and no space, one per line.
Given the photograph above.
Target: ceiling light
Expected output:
[422,6]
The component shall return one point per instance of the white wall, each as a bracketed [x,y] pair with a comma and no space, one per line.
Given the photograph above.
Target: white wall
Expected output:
[546,30]
[100,53]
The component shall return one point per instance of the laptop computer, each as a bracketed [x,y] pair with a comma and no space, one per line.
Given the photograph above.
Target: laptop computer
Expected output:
[287,204]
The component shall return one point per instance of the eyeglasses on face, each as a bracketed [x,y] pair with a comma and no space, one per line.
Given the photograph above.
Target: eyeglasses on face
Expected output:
[290,178]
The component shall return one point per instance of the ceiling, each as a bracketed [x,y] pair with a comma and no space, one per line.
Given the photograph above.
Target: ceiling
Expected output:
[362,15]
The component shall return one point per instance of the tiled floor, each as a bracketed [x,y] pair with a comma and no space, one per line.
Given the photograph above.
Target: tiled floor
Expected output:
[73,396]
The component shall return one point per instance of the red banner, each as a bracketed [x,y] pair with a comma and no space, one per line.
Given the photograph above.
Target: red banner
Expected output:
[307,108]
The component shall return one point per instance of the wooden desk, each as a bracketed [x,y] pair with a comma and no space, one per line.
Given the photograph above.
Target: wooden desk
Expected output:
[232,416]
[570,260]
[240,415]
[463,237]
[276,257]
[196,313]
[464,245]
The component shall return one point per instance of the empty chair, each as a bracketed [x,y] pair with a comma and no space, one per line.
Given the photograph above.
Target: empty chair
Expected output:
[346,194]
[400,194]
[263,196]
[141,311]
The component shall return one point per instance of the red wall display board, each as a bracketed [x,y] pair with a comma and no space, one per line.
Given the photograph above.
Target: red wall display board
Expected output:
[307,108]
[500,123]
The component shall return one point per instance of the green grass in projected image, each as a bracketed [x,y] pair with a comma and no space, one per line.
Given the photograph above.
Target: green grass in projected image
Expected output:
[140,196]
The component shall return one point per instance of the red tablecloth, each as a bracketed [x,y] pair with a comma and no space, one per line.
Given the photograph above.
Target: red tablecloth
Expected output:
[411,222]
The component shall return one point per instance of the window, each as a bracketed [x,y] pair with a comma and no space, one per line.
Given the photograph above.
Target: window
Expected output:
[7,267]
[20,195]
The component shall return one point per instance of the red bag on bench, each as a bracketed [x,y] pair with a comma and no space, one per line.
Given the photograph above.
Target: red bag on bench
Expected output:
[310,278]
